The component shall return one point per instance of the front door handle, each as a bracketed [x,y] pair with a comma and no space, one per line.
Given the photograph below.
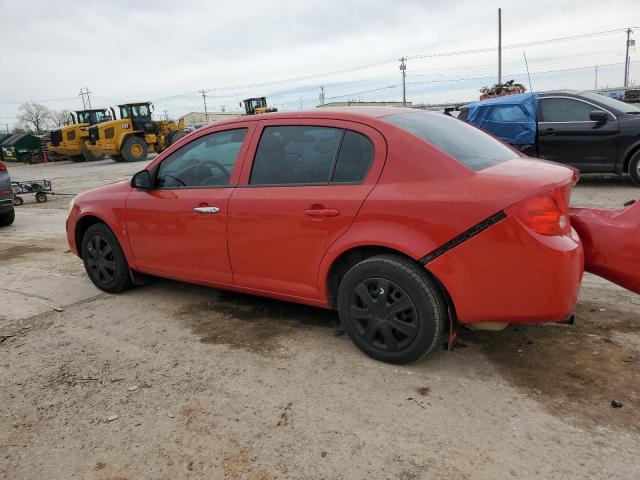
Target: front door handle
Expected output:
[206,209]
[322,212]
[548,131]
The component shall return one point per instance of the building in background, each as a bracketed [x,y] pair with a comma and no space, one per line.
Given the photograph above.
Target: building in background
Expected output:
[358,103]
[200,118]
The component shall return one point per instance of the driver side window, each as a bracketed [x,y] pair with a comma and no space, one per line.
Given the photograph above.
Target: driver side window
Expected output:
[205,162]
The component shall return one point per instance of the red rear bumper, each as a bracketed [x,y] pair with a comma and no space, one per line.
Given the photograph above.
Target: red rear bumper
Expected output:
[510,274]
[611,240]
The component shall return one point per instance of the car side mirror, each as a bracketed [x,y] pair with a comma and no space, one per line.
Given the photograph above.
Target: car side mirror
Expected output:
[598,116]
[142,180]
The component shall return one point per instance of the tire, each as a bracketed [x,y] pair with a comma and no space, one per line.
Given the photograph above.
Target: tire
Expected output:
[17,201]
[378,329]
[117,158]
[634,168]
[7,218]
[89,155]
[134,149]
[104,260]
[41,197]
[77,158]
[177,135]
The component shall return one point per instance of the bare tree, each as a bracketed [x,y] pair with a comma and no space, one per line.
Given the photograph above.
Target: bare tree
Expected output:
[34,115]
[60,118]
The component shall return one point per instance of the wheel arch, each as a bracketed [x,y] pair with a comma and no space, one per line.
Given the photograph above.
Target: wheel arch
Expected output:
[349,257]
[628,155]
[82,225]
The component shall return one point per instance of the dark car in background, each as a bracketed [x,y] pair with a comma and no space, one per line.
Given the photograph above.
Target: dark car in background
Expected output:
[586,130]
[7,213]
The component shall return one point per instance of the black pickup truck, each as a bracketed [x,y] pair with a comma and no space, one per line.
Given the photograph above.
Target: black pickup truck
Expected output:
[586,130]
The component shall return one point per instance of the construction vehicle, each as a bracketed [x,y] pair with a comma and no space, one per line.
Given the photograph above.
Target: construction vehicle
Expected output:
[70,140]
[134,135]
[256,105]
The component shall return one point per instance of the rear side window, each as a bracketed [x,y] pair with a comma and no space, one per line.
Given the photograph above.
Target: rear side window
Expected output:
[469,145]
[354,159]
[303,155]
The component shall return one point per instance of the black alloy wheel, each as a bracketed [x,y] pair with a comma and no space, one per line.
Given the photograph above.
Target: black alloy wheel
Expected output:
[104,260]
[383,314]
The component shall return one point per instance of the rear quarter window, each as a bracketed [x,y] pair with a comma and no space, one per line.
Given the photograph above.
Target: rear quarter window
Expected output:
[467,144]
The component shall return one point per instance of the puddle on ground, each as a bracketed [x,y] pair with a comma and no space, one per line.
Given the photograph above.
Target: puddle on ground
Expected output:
[252,323]
[11,253]
[574,371]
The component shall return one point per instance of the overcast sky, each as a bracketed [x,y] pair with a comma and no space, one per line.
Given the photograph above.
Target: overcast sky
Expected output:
[152,50]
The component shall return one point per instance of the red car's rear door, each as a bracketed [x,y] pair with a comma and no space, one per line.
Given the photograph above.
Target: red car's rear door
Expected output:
[178,229]
[302,191]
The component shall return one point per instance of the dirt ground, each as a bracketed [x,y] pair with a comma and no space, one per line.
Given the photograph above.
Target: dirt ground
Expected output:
[178,381]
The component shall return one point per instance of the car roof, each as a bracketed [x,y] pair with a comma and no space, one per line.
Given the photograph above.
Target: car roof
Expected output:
[330,113]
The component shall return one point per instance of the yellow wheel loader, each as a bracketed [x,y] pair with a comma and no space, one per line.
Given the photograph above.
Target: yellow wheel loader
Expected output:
[70,141]
[255,105]
[134,135]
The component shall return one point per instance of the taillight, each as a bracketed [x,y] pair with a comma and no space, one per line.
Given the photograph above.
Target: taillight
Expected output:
[2,166]
[547,214]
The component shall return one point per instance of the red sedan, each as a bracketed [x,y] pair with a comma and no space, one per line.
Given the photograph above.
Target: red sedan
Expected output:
[406,222]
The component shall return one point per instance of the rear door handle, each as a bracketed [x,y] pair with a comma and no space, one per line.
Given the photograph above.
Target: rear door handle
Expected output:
[548,131]
[206,209]
[322,212]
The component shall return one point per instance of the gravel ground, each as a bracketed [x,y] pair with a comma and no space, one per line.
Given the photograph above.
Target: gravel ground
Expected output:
[179,381]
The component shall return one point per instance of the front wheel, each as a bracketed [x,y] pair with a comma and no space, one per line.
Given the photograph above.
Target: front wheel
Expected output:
[391,309]
[104,260]
[634,168]
[134,149]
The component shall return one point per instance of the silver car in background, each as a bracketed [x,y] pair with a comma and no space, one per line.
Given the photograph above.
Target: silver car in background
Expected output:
[7,213]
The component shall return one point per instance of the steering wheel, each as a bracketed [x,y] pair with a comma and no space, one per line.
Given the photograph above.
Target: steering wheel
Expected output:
[219,166]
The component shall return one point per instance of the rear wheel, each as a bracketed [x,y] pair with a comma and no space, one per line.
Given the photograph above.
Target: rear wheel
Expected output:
[17,200]
[89,156]
[134,149]
[634,168]
[391,309]
[177,135]
[104,260]
[7,218]
[41,197]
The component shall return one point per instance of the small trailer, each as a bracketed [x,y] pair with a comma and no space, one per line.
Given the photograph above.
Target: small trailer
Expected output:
[38,188]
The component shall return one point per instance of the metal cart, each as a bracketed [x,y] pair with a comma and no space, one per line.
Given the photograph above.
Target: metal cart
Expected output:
[38,188]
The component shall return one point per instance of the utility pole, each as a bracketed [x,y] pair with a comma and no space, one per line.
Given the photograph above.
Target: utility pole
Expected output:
[403,69]
[321,96]
[500,46]
[204,99]
[626,59]
[85,91]
[596,85]
[166,114]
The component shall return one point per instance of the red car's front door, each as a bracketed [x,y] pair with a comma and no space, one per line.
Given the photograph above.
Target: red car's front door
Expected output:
[300,194]
[178,228]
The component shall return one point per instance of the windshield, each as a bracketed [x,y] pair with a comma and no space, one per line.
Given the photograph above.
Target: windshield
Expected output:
[465,143]
[135,111]
[84,117]
[611,102]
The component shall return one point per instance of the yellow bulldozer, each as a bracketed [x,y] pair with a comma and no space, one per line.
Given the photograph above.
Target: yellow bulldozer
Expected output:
[70,141]
[255,105]
[134,135]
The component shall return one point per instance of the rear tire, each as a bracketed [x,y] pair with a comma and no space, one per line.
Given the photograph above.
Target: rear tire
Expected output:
[7,218]
[410,321]
[634,168]
[177,135]
[104,260]
[41,197]
[17,200]
[134,149]
[89,155]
